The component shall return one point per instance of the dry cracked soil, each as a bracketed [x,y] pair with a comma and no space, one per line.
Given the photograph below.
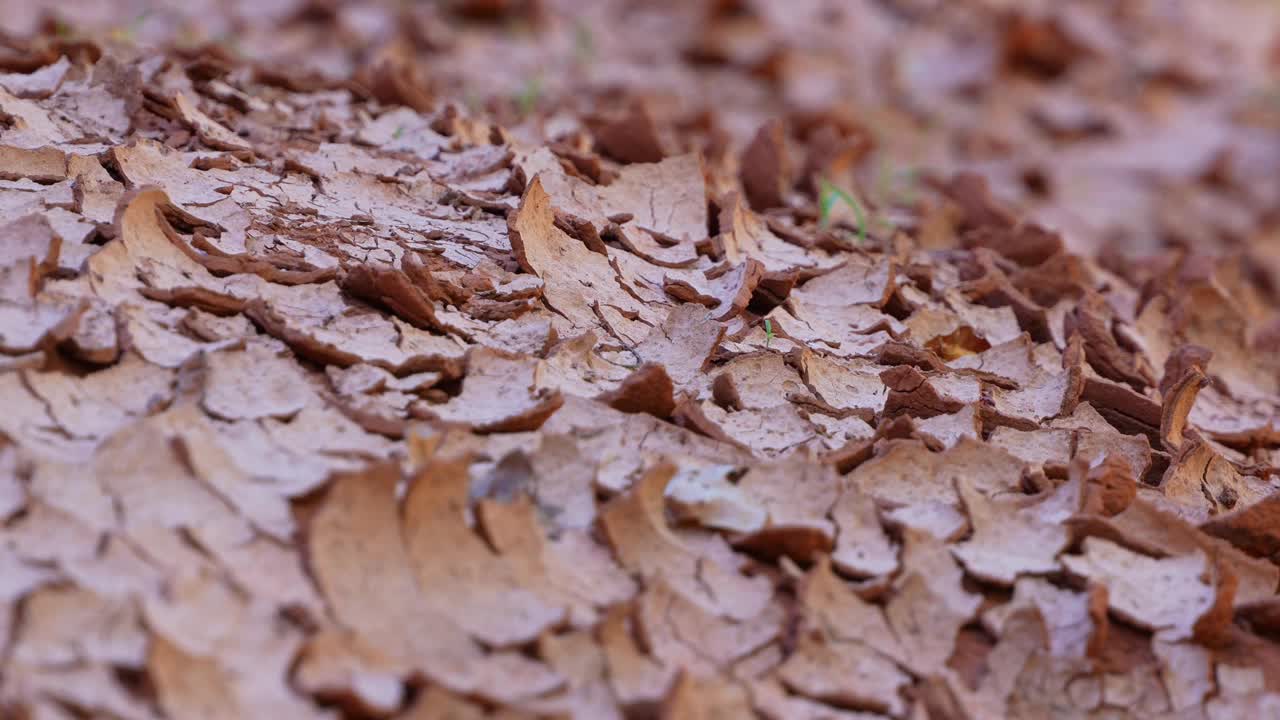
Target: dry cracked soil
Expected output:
[689,360]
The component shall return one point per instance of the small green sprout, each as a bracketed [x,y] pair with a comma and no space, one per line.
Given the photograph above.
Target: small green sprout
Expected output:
[529,95]
[130,31]
[398,132]
[828,194]
[768,333]
[471,101]
[910,182]
[884,225]
[897,187]
[230,43]
[584,43]
[884,178]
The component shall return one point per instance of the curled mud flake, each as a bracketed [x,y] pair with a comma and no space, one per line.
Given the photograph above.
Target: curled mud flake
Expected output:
[500,393]
[637,530]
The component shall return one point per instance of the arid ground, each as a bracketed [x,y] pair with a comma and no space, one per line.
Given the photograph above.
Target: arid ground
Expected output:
[690,360]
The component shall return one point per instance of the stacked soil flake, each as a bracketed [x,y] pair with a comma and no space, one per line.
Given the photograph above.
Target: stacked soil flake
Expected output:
[613,360]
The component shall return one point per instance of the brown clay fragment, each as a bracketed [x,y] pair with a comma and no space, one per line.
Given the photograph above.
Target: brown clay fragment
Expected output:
[1178,401]
[766,173]
[647,390]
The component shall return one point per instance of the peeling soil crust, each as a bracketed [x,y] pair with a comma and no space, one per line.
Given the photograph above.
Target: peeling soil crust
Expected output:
[518,359]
